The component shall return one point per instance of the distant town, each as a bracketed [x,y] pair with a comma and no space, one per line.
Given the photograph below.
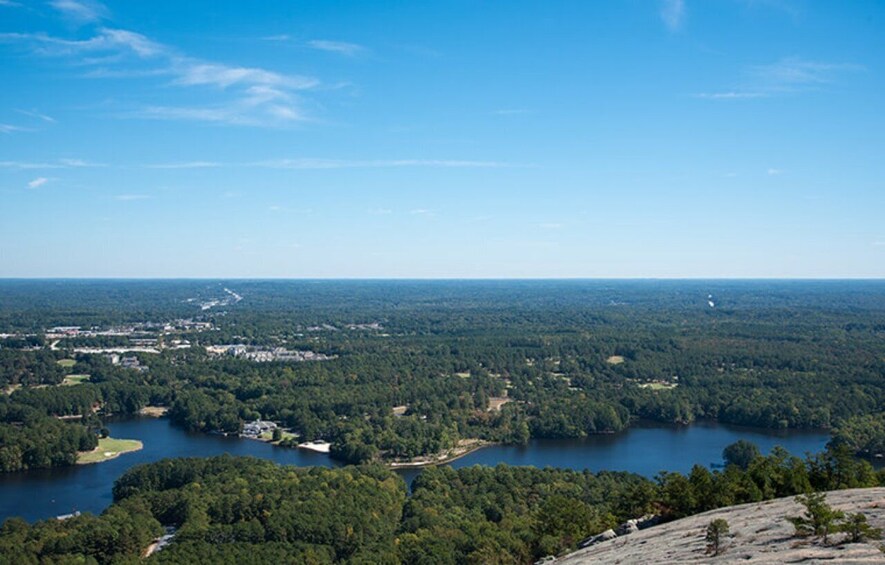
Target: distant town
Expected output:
[121,343]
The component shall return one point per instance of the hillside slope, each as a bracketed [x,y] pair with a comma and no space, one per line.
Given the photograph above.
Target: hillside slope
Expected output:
[759,534]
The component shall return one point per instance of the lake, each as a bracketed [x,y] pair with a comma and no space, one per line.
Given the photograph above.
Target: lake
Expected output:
[644,449]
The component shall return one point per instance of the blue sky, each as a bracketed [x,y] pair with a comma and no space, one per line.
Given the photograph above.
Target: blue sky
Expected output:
[631,138]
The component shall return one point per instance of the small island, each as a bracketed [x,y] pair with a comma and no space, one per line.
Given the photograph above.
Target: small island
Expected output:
[108,448]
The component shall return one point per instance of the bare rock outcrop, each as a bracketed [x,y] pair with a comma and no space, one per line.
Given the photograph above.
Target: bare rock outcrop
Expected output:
[759,533]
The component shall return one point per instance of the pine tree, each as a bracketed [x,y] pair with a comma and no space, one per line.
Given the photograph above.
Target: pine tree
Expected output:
[716,531]
[858,529]
[819,518]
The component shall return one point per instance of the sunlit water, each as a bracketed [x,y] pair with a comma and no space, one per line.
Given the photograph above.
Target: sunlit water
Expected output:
[645,450]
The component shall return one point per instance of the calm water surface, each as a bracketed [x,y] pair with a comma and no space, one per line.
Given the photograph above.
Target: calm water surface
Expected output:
[644,450]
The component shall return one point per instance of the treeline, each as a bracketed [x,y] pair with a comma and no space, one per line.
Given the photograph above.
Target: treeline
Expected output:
[29,368]
[864,435]
[41,442]
[234,510]
[46,426]
[763,477]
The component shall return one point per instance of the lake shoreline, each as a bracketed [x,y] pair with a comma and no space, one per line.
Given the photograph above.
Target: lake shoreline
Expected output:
[43,493]
[445,459]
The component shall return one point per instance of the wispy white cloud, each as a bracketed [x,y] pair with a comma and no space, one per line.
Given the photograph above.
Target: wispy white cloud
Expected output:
[222,76]
[9,3]
[730,95]
[59,164]
[295,164]
[774,172]
[673,13]
[37,115]
[421,212]
[112,43]
[879,243]
[186,165]
[789,75]
[38,182]
[24,165]
[131,197]
[340,47]
[238,95]
[235,112]
[278,208]
[81,10]
[79,163]
[378,163]
[794,71]
[9,128]
[280,37]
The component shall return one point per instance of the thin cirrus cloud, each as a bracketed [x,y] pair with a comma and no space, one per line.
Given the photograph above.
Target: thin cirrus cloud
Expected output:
[794,72]
[322,164]
[377,163]
[9,128]
[731,95]
[233,94]
[673,14]
[59,164]
[186,165]
[81,11]
[339,47]
[37,115]
[38,182]
[295,164]
[789,75]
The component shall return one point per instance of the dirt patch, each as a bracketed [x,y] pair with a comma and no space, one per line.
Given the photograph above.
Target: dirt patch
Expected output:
[154,411]
[496,402]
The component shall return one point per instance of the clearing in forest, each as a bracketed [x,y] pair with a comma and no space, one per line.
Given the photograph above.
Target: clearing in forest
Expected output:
[108,448]
[71,380]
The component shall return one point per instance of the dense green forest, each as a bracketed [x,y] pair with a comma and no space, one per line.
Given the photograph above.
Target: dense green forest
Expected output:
[499,361]
[244,510]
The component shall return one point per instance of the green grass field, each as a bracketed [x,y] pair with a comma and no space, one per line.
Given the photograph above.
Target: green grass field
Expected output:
[71,380]
[66,363]
[268,436]
[108,448]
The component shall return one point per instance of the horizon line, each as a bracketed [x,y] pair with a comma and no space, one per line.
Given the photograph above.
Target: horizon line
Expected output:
[432,279]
